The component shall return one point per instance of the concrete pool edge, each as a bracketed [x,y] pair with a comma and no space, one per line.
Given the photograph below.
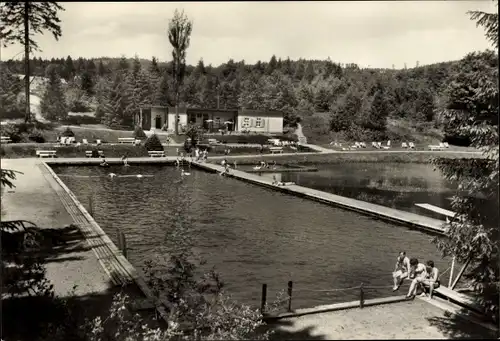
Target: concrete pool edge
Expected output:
[269,317]
[109,256]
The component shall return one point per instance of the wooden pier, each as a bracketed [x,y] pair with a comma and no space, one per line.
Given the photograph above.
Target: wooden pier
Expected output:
[381,212]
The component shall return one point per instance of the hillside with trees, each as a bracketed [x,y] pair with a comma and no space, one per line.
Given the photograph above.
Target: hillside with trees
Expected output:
[333,100]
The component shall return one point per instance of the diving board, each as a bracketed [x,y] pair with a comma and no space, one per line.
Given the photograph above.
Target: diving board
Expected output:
[436,209]
[461,299]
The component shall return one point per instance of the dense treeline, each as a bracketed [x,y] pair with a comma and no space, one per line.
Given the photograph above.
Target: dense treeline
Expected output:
[356,101]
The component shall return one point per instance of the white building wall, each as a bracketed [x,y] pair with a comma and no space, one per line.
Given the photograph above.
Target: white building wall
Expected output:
[275,125]
[272,125]
[171,120]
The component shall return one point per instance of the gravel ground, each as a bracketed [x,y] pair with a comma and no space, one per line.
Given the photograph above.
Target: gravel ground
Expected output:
[34,200]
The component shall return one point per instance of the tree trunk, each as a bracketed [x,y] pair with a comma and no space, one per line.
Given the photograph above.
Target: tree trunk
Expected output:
[176,121]
[27,117]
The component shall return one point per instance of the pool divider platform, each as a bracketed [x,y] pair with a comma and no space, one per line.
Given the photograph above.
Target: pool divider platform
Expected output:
[427,224]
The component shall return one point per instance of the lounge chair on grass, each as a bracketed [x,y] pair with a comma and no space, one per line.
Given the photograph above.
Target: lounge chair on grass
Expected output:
[404,145]
[411,145]
[435,147]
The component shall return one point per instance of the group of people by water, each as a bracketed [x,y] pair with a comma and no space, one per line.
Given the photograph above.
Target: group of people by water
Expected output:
[422,276]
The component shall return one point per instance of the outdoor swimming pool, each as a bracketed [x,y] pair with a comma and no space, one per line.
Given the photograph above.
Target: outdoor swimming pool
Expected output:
[250,234]
[396,185]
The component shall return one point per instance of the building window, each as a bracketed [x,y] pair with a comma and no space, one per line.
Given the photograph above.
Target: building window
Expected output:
[198,115]
[246,122]
[259,122]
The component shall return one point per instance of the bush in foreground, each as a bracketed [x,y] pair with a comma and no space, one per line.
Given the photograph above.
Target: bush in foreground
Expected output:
[68,133]
[139,134]
[153,143]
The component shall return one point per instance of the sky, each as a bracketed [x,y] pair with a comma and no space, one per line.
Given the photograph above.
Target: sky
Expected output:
[379,34]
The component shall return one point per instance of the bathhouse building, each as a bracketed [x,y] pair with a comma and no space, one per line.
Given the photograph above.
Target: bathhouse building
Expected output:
[156,118]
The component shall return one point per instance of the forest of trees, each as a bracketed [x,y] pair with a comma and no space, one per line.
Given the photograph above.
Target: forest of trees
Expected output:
[356,101]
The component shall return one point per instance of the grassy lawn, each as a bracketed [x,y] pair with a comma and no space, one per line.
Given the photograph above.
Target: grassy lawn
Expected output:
[27,150]
[394,147]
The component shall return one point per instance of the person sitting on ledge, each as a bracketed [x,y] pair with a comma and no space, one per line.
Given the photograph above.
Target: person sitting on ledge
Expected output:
[103,162]
[125,160]
[418,272]
[226,169]
[401,270]
[280,183]
[432,279]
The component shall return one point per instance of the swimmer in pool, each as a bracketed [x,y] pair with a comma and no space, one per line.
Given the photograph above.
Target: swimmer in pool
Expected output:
[112,175]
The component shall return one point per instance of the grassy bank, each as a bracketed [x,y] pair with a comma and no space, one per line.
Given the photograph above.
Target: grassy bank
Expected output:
[316,129]
[402,157]
[26,150]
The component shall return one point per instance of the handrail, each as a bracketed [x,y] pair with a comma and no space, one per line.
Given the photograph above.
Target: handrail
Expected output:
[361,287]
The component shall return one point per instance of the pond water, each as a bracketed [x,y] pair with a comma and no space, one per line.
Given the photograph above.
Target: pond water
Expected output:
[396,185]
[250,234]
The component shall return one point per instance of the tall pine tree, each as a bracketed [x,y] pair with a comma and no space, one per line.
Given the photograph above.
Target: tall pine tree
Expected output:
[53,104]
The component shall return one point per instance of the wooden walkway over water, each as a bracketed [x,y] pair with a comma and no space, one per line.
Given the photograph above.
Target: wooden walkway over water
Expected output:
[407,218]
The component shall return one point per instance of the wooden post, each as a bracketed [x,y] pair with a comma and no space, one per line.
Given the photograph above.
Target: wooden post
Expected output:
[455,282]
[290,287]
[91,208]
[263,299]
[361,296]
[119,239]
[451,272]
[122,242]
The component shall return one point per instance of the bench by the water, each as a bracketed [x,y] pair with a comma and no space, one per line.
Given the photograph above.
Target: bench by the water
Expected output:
[276,150]
[156,153]
[130,140]
[47,153]
[436,209]
[5,139]
[460,299]
[88,153]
